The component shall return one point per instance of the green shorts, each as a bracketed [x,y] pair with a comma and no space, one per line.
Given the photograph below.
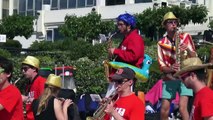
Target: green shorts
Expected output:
[172,86]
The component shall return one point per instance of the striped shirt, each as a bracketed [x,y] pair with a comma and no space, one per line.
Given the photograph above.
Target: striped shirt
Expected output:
[166,49]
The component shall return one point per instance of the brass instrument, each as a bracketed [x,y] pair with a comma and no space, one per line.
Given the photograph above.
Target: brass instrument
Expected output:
[210,71]
[177,47]
[99,113]
[207,42]
[110,56]
[106,69]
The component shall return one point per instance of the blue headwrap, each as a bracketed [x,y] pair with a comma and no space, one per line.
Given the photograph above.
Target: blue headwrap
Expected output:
[129,19]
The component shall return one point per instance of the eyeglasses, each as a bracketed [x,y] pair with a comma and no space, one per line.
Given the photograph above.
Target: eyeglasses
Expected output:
[184,76]
[25,69]
[172,22]
[120,24]
[119,82]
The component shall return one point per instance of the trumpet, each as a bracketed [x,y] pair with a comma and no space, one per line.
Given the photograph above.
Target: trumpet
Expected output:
[99,113]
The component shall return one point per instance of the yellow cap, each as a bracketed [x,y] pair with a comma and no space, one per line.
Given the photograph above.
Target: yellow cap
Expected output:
[54,80]
[33,61]
[168,16]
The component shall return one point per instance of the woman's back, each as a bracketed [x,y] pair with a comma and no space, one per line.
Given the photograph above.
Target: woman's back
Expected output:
[48,113]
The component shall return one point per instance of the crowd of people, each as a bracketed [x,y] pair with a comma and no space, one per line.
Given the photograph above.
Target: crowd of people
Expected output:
[182,72]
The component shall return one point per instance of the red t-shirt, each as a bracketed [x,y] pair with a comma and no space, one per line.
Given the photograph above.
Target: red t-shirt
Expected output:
[36,89]
[203,104]
[11,100]
[131,50]
[129,107]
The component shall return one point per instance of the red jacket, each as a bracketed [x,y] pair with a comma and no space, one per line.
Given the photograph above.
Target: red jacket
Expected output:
[131,50]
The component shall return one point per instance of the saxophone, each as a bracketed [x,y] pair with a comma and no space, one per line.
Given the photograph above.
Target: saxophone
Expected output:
[110,56]
[109,45]
[177,47]
[99,113]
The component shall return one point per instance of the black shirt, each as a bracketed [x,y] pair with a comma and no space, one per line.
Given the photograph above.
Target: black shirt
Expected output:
[48,113]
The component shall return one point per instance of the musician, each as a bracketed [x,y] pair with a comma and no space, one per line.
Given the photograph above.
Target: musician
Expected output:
[35,87]
[131,49]
[210,71]
[10,96]
[193,75]
[128,106]
[48,106]
[168,65]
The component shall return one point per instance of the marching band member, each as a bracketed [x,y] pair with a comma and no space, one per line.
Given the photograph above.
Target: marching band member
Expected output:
[167,59]
[35,85]
[131,49]
[193,75]
[127,106]
[11,106]
[48,106]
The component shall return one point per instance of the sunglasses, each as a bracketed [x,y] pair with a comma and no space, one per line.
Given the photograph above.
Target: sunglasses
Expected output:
[184,76]
[119,82]
[1,70]
[172,22]
[25,69]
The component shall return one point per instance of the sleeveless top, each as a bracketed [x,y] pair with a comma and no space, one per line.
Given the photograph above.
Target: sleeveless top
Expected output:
[48,113]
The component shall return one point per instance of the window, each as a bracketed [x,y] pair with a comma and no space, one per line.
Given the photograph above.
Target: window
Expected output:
[193,1]
[54,5]
[5,4]
[30,13]
[30,4]
[115,2]
[72,4]
[90,3]
[22,13]
[81,3]
[49,36]
[22,5]
[38,5]
[142,1]
[5,13]
[46,2]
[63,4]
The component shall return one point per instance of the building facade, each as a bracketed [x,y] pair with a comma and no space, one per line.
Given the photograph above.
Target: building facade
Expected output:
[51,13]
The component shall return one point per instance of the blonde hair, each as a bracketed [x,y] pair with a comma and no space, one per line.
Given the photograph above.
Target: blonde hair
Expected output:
[49,91]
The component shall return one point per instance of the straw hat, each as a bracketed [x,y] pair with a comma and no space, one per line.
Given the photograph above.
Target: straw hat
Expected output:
[168,16]
[54,80]
[33,61]
[191,64]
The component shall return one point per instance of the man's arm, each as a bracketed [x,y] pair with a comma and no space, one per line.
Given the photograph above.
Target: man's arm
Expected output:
[208,118]
[112,112]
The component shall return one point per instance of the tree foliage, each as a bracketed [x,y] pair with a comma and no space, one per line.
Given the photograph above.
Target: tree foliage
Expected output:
[149,21]
[211,24]
[198,13]
[17,25]
[87,27]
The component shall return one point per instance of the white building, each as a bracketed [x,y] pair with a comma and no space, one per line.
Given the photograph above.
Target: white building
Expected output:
[51,13]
